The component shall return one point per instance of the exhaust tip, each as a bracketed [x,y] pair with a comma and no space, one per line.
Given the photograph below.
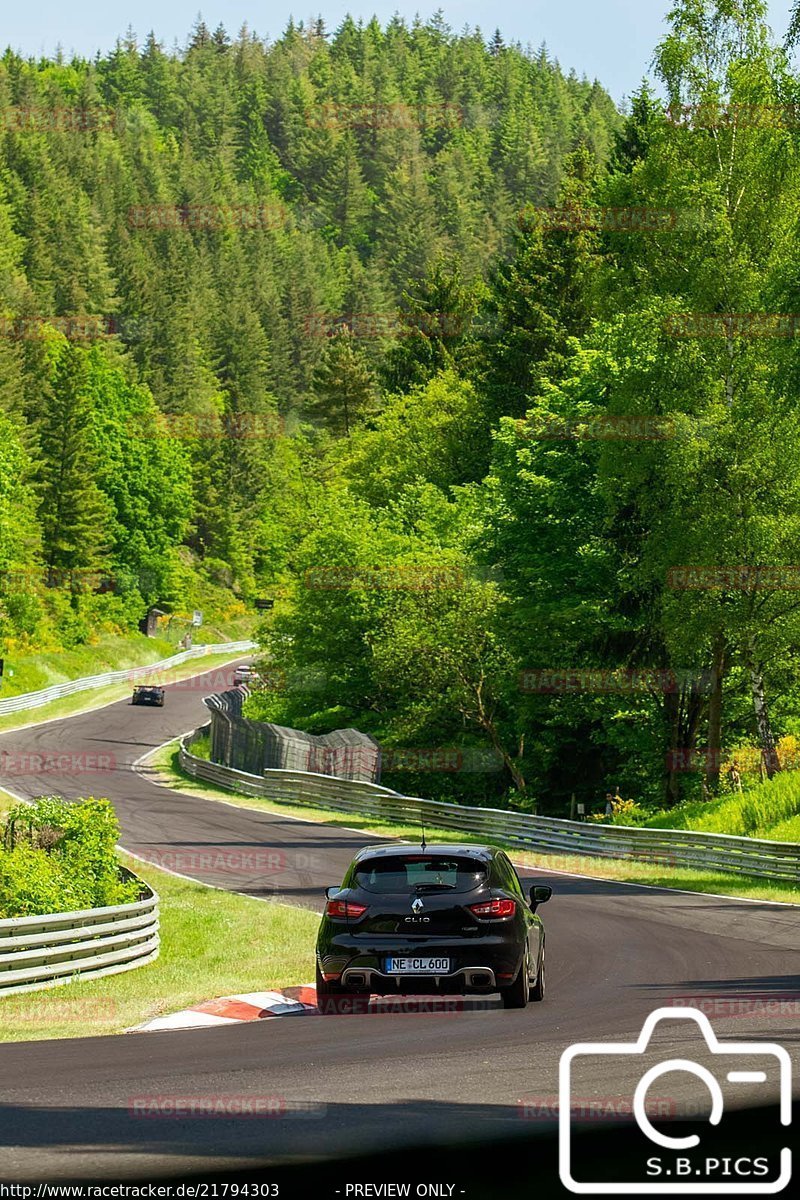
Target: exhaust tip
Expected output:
[480,979]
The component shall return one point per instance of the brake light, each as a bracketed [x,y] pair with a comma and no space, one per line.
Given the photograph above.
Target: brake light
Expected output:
[494,908]
[344,908]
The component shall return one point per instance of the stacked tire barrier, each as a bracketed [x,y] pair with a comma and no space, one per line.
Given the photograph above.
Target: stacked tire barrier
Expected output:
[757,858]
[45,951]
[258,746]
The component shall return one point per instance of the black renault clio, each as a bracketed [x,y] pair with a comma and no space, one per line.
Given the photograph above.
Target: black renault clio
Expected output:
[442,919]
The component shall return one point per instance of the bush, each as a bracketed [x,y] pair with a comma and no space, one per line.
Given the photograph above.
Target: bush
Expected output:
[753,813]
[58,856]
[627,812]
[201,747]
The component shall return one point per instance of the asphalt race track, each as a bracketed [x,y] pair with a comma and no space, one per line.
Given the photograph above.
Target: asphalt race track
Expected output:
[374,1081]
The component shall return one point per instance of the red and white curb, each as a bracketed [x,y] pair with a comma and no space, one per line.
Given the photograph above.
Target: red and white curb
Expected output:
[232,1010]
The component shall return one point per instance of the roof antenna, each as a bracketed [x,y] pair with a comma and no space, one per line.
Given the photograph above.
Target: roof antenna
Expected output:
[422,823]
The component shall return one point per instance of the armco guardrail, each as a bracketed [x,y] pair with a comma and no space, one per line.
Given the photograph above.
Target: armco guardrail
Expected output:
[672,847]
[59,690]
[42,952]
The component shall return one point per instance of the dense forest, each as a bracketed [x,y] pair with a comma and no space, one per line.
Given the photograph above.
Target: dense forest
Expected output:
[487,384]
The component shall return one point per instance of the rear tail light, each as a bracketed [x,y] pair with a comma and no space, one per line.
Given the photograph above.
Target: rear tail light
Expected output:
[344,908]
[494,908]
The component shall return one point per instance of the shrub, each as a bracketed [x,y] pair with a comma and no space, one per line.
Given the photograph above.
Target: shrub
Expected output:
[201,747]
[58,856]
[627,812]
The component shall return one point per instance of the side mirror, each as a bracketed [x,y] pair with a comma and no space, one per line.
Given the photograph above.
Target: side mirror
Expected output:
[328,891]
[540,894]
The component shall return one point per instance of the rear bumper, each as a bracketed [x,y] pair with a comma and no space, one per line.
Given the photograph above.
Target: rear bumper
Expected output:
[476,964]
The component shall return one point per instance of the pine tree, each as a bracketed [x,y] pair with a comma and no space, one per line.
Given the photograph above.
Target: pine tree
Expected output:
[543,296]
[343,389]
[74,513]
[437,318]
[408,210]
[345,196]
[631,143]
[220,39]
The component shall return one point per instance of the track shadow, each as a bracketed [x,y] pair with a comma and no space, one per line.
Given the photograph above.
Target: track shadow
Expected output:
[482,1152]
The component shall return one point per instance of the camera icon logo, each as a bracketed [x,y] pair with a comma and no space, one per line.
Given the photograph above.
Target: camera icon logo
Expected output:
[675,1170]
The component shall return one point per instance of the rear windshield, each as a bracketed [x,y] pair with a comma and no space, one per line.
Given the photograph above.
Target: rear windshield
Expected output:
[420,873]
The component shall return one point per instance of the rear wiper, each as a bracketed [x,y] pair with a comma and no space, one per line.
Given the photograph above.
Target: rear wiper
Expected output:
[434,887]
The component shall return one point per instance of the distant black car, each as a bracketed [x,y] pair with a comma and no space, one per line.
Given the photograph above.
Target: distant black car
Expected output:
[243,674]
[148,695]
[439,920]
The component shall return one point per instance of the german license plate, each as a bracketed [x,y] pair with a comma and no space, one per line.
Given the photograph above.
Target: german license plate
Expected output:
[417,966]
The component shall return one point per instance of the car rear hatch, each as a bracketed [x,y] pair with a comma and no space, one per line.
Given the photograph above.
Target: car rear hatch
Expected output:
[419,896]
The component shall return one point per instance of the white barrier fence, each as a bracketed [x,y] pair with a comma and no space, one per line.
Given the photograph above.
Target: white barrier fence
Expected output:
[45,951]
[753,857]
[59,690]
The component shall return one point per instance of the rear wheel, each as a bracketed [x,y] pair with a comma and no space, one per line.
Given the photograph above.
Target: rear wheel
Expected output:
[537,991]
[516,996]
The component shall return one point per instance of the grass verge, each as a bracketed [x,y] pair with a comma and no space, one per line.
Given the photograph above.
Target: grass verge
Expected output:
[70,706]
[767,810]
[32,670]
[165,762]
[213,943]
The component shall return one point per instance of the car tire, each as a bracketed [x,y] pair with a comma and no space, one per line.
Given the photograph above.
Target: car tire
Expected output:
[516,996]
[538,989]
